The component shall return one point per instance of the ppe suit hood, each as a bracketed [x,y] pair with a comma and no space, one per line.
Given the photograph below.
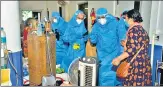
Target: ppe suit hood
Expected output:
[73,21]
[104,12]
[61,23]
[59,28]
[101,12]
[60,20]
[81,30]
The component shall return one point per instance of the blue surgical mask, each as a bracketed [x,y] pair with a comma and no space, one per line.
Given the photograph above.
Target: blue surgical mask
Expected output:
[127,25]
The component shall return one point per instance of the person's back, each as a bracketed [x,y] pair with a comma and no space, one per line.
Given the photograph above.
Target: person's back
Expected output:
[59,26]
[122,29]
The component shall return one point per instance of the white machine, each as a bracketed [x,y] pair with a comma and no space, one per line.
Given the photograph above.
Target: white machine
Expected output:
[87,71]
[83,72]
[48,80]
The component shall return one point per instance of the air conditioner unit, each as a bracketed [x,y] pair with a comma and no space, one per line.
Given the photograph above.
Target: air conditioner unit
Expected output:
[87,72]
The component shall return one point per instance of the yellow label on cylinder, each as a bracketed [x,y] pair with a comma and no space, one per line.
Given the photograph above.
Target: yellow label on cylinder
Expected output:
[5,75]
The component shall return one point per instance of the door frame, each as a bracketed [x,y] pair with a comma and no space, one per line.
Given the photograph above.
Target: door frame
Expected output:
[79,3]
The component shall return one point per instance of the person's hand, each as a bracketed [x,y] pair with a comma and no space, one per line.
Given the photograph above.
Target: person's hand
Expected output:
[65,84]
[88,39]
[116,61]
[123,43]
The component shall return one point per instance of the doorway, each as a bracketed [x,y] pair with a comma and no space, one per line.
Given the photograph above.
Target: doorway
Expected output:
[60,11]
[137,5]
[84,7]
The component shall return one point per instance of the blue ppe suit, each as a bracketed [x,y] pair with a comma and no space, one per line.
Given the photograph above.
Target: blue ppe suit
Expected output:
[107,43]
[61,47]
[74,34]
[122,29]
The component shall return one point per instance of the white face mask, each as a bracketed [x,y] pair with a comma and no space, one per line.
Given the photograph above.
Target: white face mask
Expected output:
[55,20]
[79,21]
[102,21]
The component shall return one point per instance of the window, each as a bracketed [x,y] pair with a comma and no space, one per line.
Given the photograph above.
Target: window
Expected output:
[26,15]
[31,14]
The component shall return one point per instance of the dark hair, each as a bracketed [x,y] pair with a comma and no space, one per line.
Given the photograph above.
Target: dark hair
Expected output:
[117,18]
[27,22]
[124,13]
[135,14]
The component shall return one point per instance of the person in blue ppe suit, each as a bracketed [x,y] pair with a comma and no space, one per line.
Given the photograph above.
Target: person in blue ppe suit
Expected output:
[75,35]
[59,26]
[105,36]
[122,29]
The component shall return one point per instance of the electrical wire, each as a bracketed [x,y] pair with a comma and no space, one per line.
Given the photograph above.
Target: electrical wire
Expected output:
[13,68]
[17,75]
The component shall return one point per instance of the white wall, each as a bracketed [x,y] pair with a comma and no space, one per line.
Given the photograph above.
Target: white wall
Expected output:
[71,8]
[124,5]
[154,14]
[159,25]
[146,14]
[39,6]
[156,19]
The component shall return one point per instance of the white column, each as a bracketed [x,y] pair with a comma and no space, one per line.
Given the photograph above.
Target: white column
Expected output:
[11,24]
